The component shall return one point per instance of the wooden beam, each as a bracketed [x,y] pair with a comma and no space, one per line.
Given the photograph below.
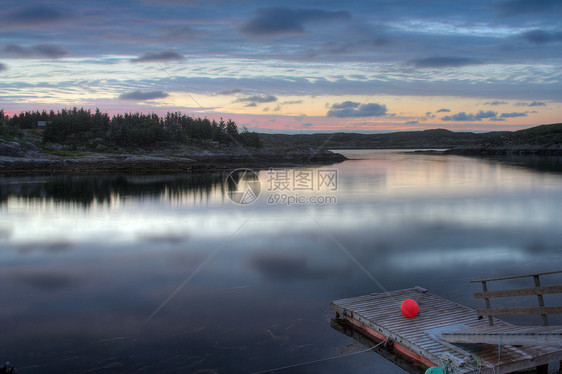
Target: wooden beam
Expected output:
[540,300]
[515,276]
[519,311]
[515,335]
[546,340]
[546,290]
[485,289]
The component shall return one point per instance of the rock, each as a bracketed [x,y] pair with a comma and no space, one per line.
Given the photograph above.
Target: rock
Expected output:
[12,149]
[56,146]
[31,146]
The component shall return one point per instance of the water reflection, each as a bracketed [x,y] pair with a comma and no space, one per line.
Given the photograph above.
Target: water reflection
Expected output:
[77,285]
[85,191]
[290,267]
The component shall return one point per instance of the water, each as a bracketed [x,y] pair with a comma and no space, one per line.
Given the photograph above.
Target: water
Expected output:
[167,274]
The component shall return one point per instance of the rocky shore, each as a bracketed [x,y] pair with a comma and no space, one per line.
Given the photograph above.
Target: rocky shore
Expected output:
[506,150]
[25,158]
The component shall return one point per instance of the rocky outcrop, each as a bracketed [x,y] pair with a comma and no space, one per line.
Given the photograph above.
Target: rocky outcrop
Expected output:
[12,149]
[44,164]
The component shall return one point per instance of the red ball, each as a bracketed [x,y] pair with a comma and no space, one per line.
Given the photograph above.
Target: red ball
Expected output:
[409,308]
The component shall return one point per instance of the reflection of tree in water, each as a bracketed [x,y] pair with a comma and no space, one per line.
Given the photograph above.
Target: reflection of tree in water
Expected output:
[86,191]
[236,176]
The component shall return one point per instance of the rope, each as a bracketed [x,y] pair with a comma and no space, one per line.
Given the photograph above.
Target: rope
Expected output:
[445,368]
[345,251]
[319,360]
[499,354]
[194,272]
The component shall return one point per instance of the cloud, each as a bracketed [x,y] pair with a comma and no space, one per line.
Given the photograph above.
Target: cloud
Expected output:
[252,104]
[282,20]
[37,51]
[258,99]
[412,122]
[462,116]
[542,37]
[443,110]
[497,119]
[166,55]
[443,62]
[497,102]
[143,95]
[534,103]
[290,102]
[233,91]
[354,109]
[517,7]
[36,15]
[3,67]
[513,114]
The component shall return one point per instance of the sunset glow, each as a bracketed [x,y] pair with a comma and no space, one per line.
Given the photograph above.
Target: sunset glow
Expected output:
[364,67]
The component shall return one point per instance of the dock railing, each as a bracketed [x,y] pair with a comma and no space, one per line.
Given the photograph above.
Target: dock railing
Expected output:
[537,290]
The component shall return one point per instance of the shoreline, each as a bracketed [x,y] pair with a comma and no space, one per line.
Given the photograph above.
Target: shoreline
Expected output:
[97,164]
[505,152]
[43,164]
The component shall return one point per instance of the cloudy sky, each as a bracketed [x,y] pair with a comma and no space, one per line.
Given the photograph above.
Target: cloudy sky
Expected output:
[291,66]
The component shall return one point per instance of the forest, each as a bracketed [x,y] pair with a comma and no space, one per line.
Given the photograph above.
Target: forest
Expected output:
[84,127]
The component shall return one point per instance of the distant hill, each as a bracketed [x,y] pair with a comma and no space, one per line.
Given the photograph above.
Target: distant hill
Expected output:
[545,139]
[540,139]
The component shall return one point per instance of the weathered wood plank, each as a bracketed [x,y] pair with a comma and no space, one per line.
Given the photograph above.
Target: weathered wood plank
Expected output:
[528,335]
[515,276]
[519,311]
[519,292]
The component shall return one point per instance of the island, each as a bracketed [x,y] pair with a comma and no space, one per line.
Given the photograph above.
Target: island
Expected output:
[79,141]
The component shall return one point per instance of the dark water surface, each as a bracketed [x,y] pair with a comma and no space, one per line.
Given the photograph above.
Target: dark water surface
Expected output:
[166,274]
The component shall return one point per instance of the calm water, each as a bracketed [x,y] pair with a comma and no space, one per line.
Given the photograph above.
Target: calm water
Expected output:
[167,274]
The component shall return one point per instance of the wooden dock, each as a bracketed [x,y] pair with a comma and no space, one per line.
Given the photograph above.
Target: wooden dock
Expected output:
[513,335]
[423,338]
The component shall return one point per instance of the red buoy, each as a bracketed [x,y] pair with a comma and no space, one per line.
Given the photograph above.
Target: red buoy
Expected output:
[409,308]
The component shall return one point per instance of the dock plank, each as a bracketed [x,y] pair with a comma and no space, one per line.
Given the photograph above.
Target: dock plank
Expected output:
[520,335]
[381,314]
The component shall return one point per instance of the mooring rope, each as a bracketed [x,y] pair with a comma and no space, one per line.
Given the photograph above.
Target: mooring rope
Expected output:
[319,360]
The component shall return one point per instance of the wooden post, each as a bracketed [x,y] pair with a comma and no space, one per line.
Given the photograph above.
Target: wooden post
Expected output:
[542,369]
[485,289]
[540,299]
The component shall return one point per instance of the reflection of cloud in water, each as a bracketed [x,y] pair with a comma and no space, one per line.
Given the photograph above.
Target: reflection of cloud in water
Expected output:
[164,237]
[6,232]
[449,239]
[431,259]
[47,247]
[46,279]
[289,266]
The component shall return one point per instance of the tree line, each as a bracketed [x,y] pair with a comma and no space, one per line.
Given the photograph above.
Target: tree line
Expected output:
[82,126]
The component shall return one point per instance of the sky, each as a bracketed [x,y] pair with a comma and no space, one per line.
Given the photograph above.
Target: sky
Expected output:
[290,66]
